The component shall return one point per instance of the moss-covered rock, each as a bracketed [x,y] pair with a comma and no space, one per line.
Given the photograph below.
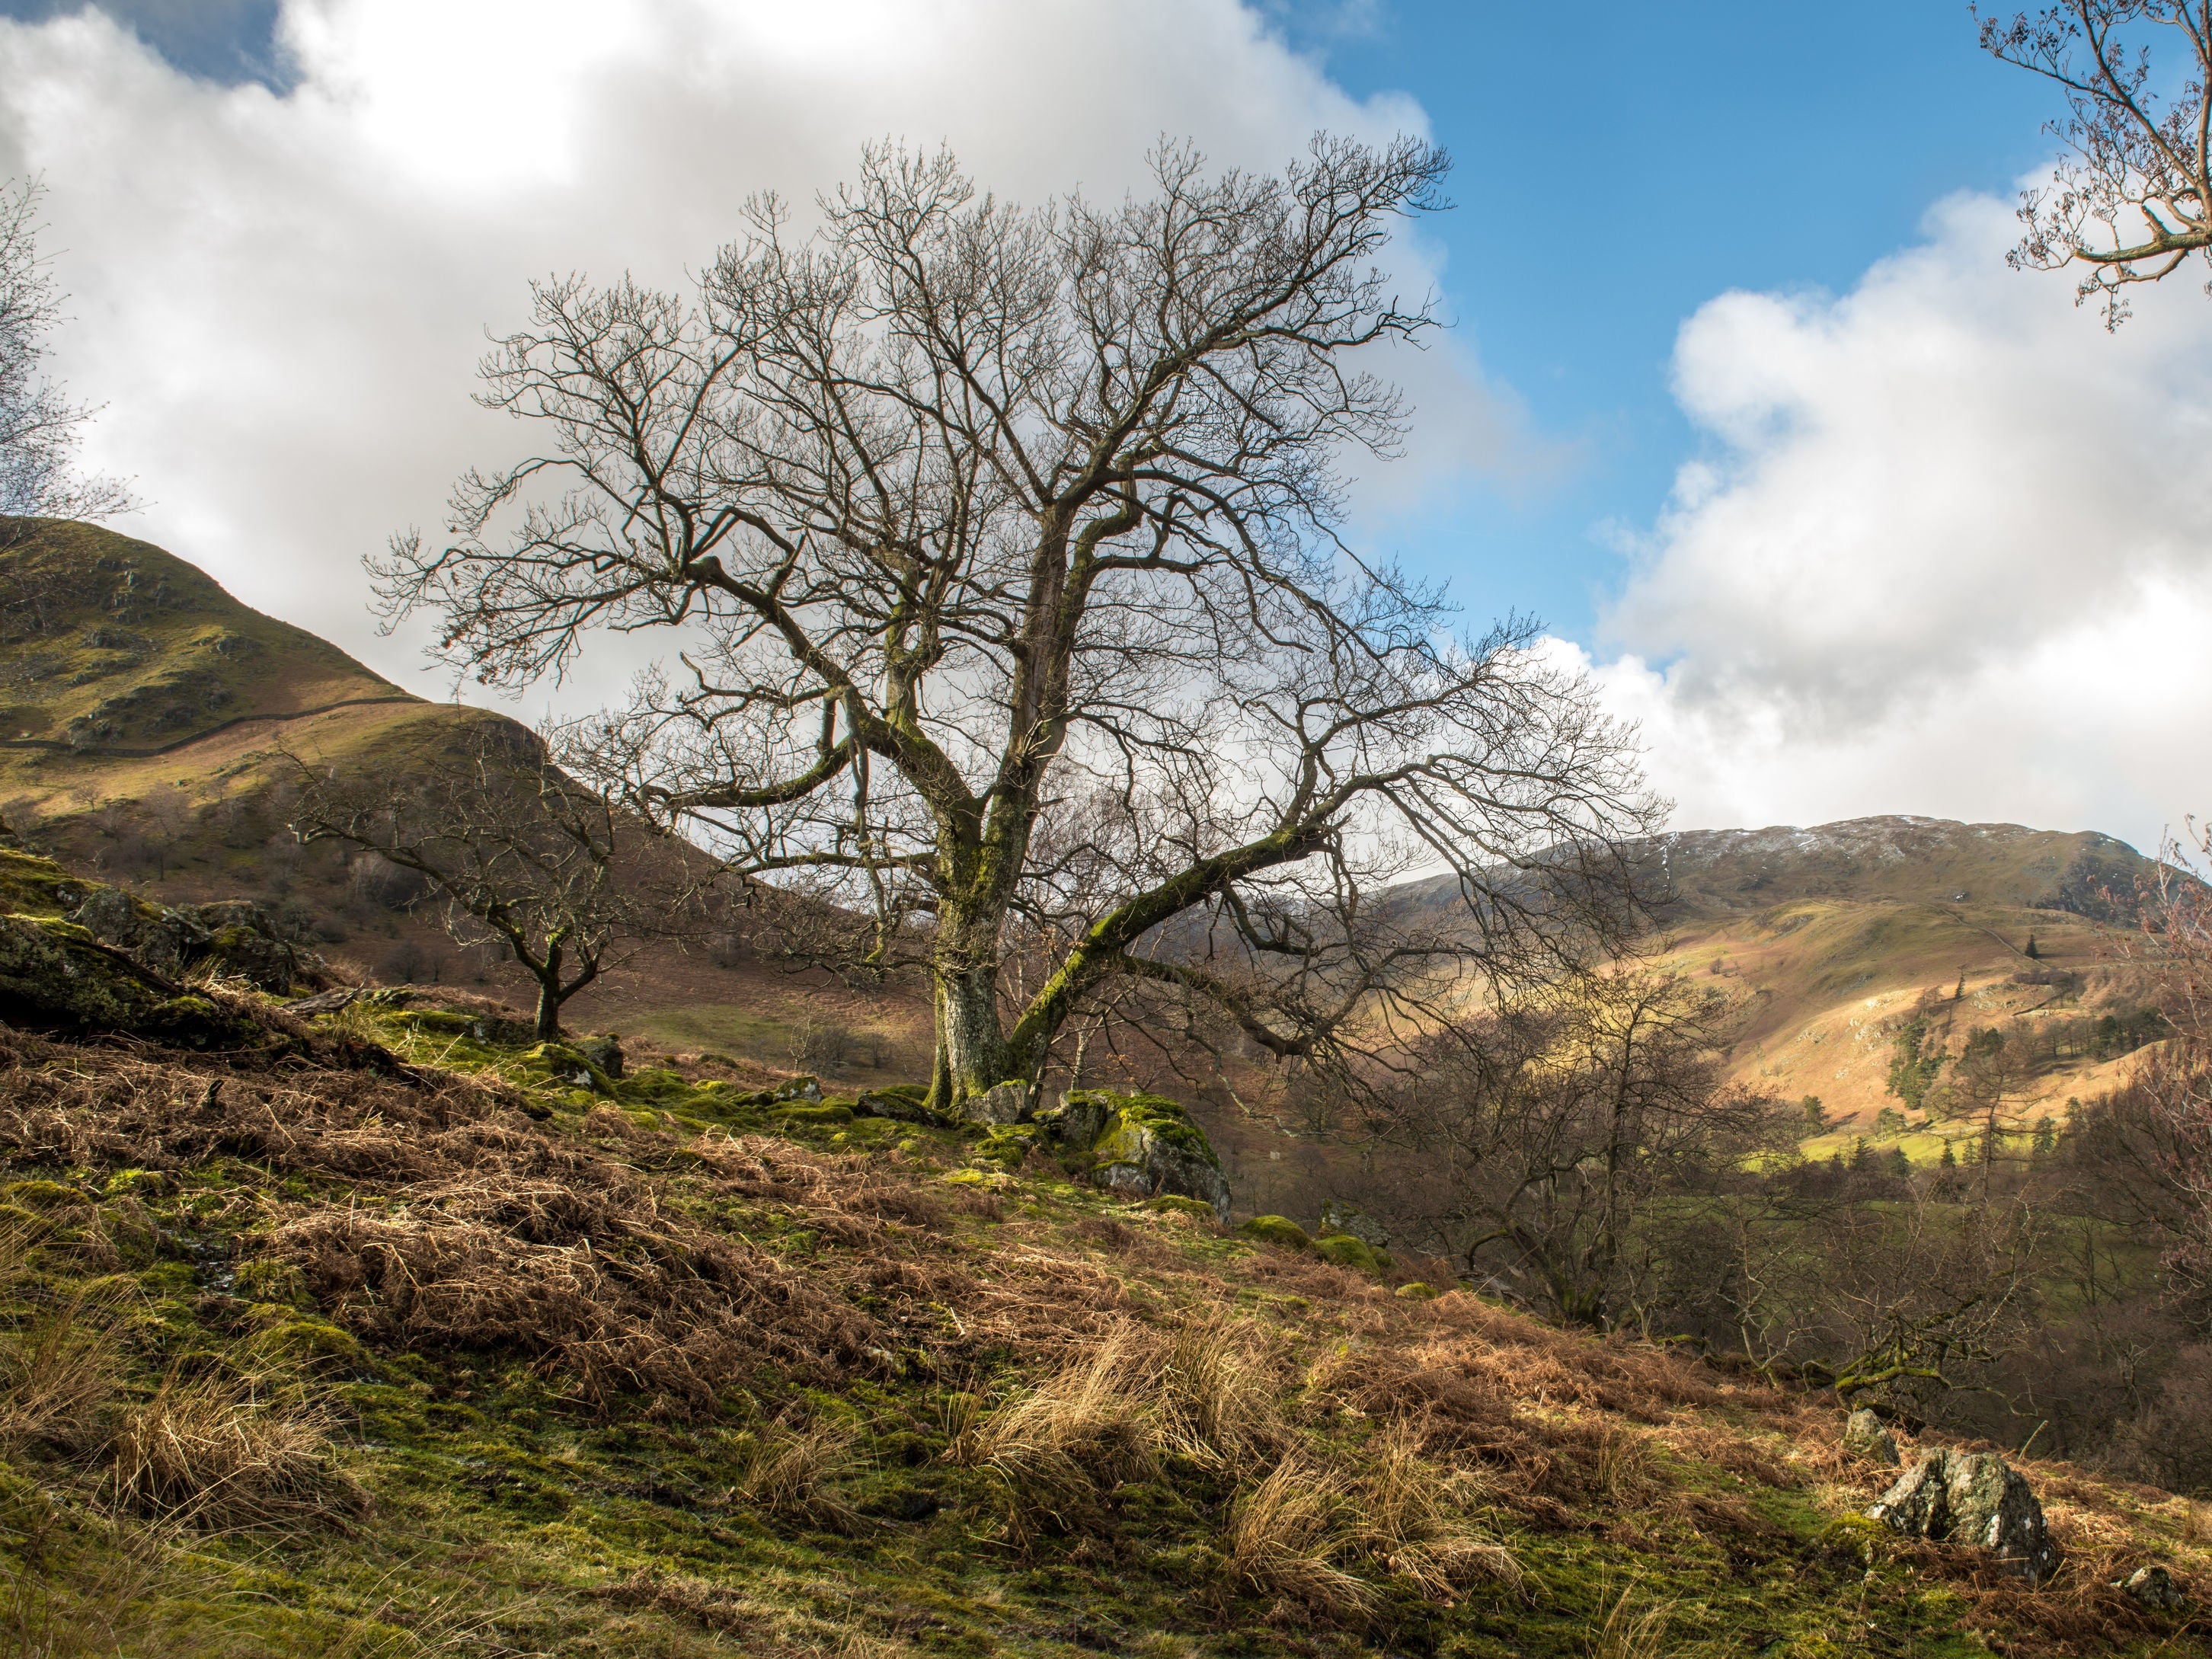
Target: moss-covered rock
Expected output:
[1137,1145]
[54,974]
[1415,1290]
[1176,1204]
[1346,1251]
[1277,1229]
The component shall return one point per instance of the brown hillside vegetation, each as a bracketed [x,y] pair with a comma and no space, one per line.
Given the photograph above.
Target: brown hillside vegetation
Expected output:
[482,1360]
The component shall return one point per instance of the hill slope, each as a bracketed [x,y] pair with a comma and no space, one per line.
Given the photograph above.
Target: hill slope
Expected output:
[509,1361]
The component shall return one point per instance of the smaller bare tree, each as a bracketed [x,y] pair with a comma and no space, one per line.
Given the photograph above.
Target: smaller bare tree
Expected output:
[515,851]
[1548,1130]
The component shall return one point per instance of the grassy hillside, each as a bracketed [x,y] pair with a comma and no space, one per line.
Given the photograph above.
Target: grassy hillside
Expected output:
[297,1357]
[111,647]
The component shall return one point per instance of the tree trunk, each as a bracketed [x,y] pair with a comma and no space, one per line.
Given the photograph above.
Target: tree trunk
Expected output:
[549,994]
[971,1048]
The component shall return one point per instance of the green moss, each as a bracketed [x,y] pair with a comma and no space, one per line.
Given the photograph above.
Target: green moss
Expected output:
[1414,1290]
[1277,1229]
[44,1194]
[806,1112]
[1345,1251]
[1175,1204]
[1006,1145]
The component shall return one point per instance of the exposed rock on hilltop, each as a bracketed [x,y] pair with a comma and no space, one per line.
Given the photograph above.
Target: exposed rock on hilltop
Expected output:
[1902,857]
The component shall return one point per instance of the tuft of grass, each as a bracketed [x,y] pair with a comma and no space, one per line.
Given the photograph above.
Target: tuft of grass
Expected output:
[787,1473]
[1411,1518]
[228,1452]
[1054,1448]
[1285,1537]
[57,1364]
[1632,1632]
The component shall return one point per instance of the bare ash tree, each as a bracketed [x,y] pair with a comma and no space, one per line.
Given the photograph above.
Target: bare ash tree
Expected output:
[997,551]
[511,850]
[2132,201]
[40,429]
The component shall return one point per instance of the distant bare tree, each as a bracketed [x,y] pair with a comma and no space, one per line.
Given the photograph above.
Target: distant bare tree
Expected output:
[1001,547]
[571,885]
[2133,201]
[1543,1135]
[39,428]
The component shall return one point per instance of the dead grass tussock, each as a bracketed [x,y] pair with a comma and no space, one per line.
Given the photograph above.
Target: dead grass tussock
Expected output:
[1413,1519]
[606,1288]
[229,1452]
[1204,1390]
[790,1474]
[1288,1537]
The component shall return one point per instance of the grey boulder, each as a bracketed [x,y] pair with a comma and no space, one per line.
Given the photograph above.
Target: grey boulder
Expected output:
[2153,1588]
[1137,1146]
[1865,1437]
[1973,1498]
[1337,1216]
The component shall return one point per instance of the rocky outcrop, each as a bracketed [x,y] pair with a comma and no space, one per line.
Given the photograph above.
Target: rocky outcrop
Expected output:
[1865,1437]
[55,976]
[1136,1146]
[1975,1499]
[234,937]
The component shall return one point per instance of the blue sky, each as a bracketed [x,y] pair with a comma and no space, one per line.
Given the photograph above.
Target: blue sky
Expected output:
[1619,165]
[1742,402]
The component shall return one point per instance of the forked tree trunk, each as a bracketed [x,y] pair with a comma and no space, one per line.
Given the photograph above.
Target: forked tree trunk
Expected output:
[971,1048]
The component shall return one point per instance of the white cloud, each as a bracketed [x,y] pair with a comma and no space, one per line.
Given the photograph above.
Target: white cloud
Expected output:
[1950,552]
[282,299]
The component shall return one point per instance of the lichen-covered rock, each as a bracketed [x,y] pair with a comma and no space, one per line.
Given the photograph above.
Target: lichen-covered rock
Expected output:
[1337,1216]
[1004,1102]
[1136,1146]
[2153,1588]
[1278,1229]
[1865,1437]
[1974,1498]
[55,975]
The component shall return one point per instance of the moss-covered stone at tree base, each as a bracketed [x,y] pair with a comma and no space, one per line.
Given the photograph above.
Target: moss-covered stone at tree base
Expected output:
[1136,1144]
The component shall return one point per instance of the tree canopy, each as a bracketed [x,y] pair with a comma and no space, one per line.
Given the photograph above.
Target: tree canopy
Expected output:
[1000,554]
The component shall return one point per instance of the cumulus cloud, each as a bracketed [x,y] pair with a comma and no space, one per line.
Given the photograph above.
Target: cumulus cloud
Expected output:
[1947,550]
[281,298]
